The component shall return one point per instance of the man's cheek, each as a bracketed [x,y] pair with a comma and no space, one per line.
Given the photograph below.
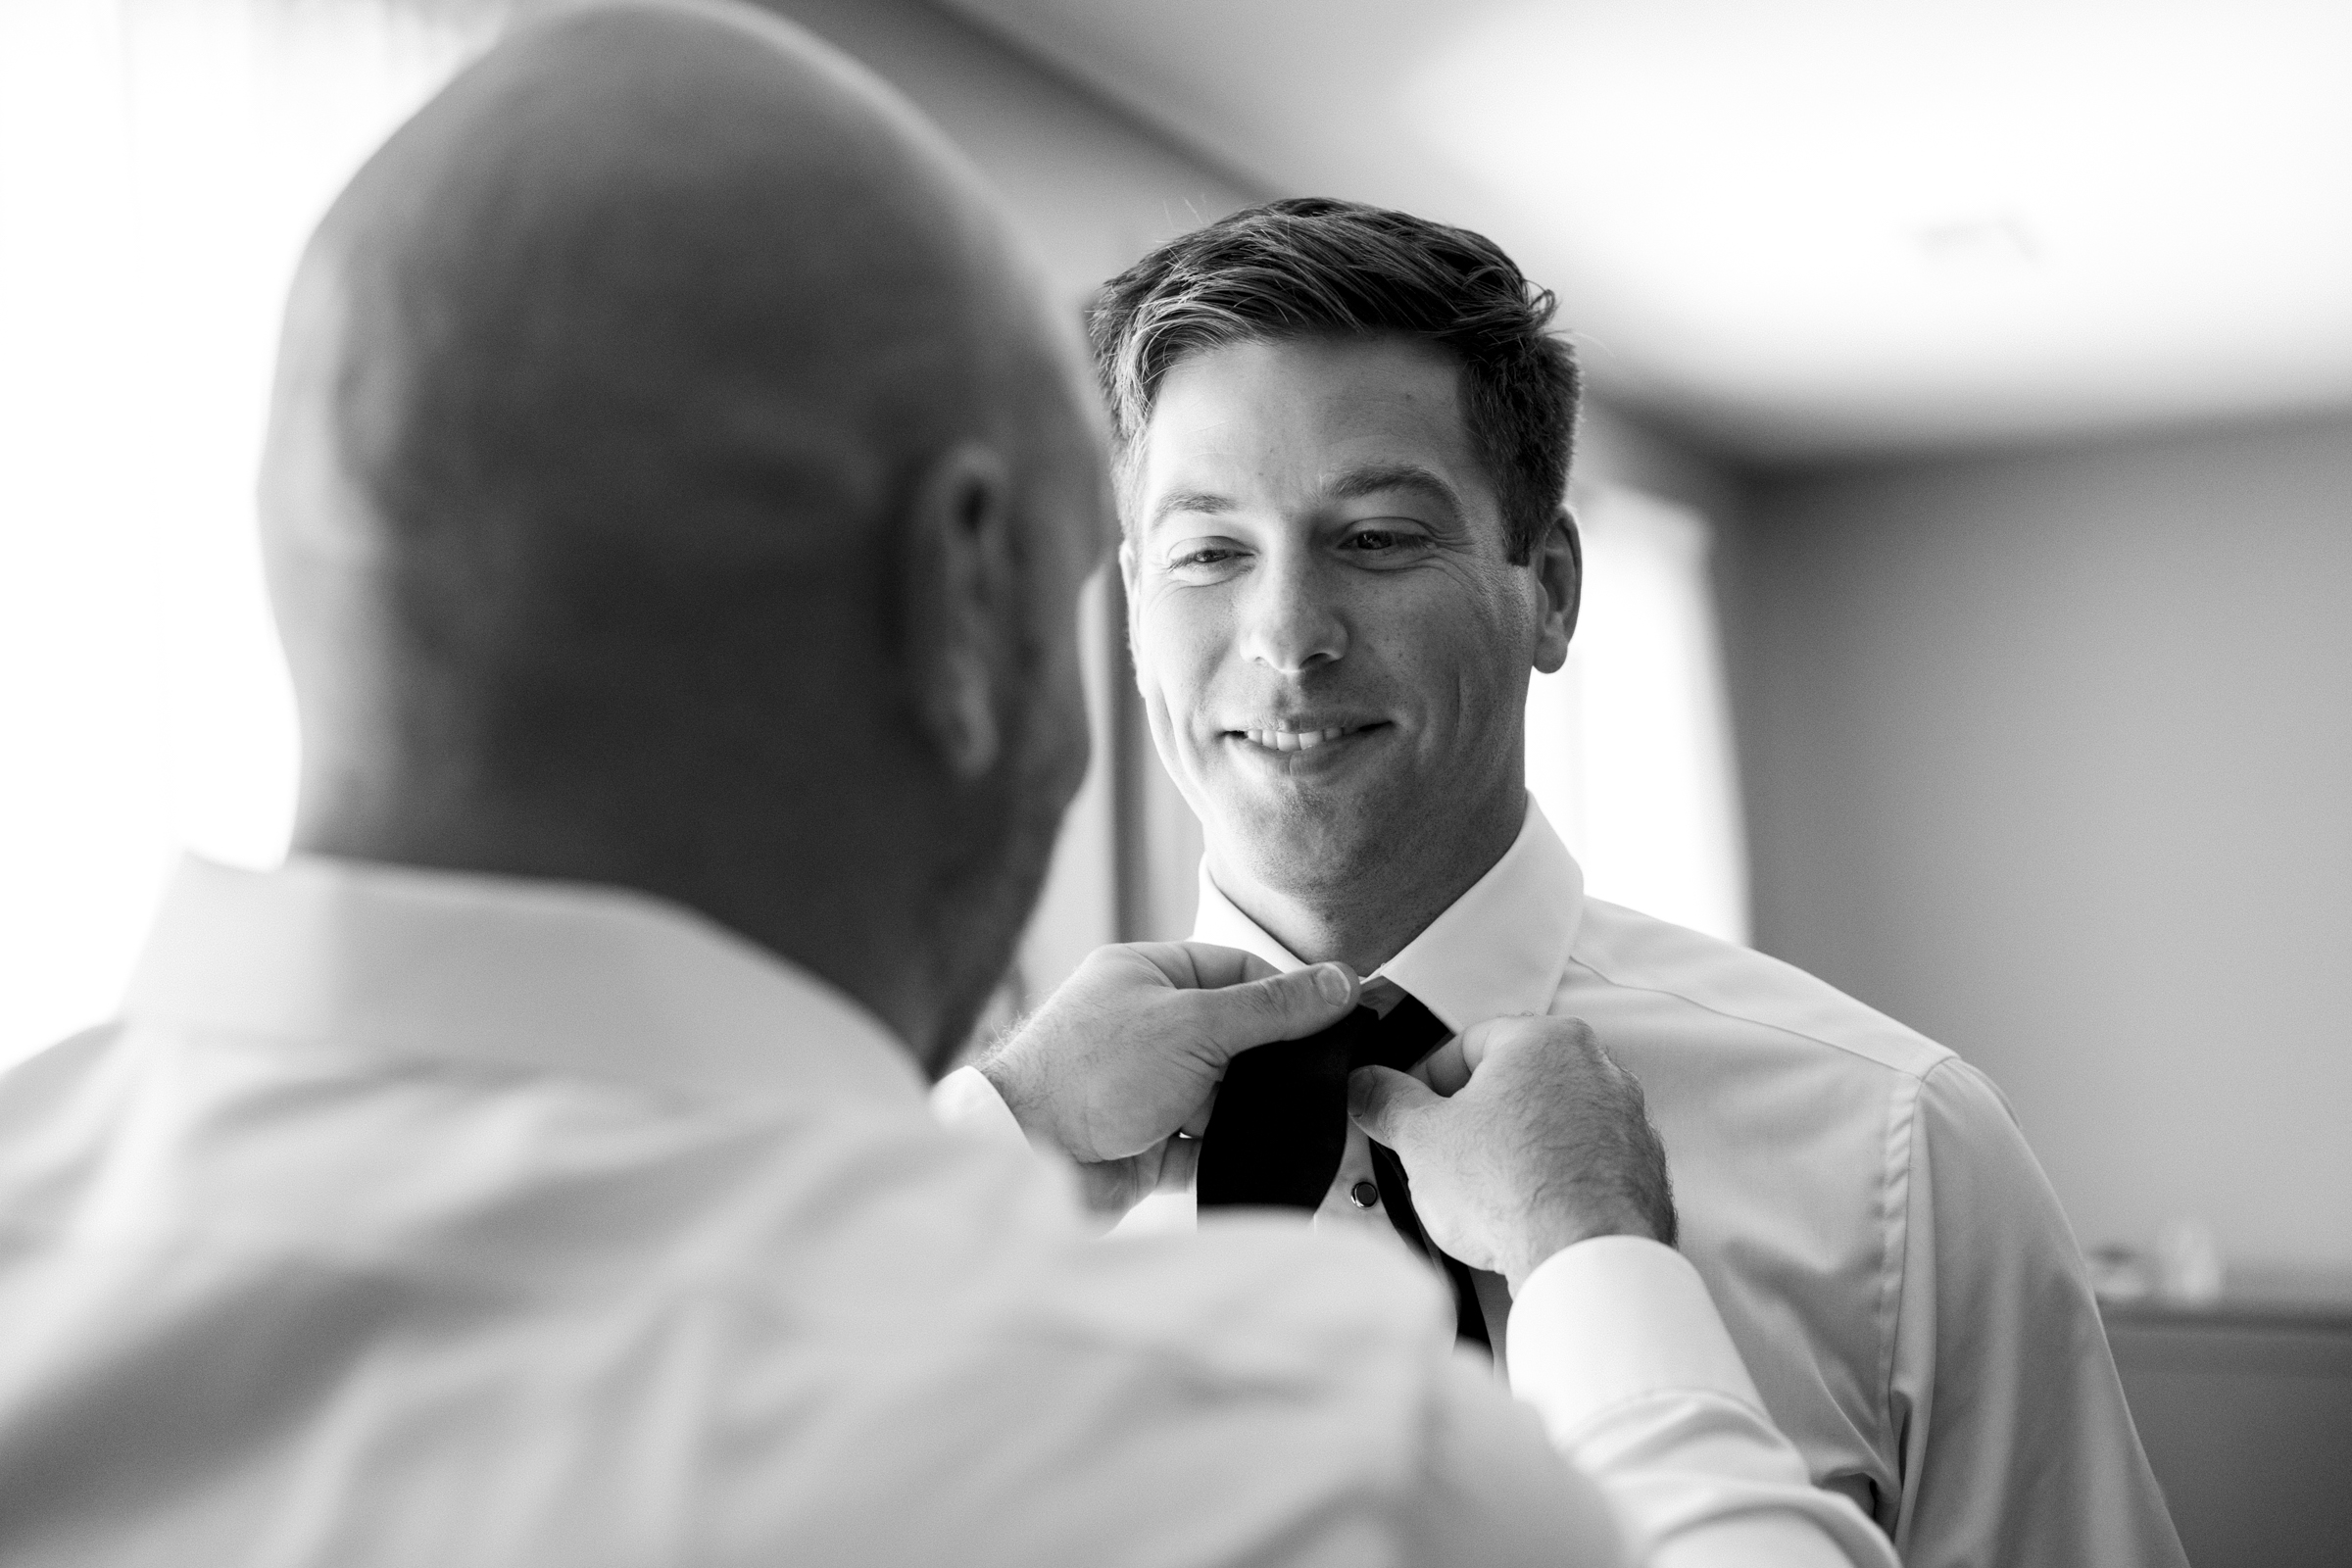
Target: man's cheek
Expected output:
[1181,678]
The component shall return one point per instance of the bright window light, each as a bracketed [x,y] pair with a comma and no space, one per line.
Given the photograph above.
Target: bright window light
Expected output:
[1629,745]
[164,160]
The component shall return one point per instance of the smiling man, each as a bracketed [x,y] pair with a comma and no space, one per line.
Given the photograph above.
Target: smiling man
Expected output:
[1324,689]
[1342,438]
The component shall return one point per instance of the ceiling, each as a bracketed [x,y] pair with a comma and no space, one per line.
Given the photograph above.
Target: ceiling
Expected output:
[1817,228]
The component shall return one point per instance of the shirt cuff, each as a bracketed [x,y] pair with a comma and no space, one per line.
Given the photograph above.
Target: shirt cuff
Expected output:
[1614,1319]
[967,1103]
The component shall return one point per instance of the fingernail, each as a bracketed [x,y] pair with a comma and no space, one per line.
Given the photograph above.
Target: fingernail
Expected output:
[1332,982]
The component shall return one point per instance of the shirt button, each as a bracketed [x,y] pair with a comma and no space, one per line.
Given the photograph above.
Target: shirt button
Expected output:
[1363,1195]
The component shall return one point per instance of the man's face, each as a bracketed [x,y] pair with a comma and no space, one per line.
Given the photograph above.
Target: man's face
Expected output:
[1332,641]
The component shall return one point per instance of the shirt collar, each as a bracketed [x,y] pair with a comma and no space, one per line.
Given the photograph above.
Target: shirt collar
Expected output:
[1499,950]
[520,974]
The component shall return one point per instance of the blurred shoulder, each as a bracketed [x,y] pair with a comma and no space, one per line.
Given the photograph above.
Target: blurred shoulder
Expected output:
[1174,1399]
[1248,1296]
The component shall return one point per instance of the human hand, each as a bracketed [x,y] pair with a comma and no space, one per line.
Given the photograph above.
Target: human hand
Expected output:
[1542,1143]
[1129,1051]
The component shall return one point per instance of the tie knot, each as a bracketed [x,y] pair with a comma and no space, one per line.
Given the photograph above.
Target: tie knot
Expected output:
[1400,1032]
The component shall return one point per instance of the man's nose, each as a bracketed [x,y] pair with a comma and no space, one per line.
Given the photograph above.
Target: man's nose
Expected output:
[1291,619]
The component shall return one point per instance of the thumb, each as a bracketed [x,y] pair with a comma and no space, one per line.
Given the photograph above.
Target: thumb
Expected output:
[1385,1102]
[1282,1006]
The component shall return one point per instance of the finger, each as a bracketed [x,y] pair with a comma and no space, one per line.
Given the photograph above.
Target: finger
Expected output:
[1219,966]
[1384,1102]
[1481,1037]
[1197,1124]
[1178,1165]
[1446,1070]
[1202,965]
[1135,965]
[1283,1006]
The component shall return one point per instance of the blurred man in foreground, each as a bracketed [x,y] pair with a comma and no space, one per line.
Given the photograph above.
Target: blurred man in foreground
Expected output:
[1342,438]
[675,502]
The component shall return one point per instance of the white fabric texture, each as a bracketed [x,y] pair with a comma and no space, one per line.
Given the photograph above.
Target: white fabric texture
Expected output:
[1882,1244]
[414,1219]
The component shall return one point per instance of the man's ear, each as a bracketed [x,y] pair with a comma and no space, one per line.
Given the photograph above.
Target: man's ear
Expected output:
[1561,571]
[961,596]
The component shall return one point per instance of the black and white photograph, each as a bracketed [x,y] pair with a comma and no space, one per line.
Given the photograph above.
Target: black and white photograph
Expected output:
[1016,783]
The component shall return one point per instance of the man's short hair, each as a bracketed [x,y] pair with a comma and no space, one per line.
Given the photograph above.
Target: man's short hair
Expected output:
[1310,266]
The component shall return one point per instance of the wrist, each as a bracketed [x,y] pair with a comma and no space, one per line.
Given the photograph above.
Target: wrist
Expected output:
[1004,1073]
[1549,1240]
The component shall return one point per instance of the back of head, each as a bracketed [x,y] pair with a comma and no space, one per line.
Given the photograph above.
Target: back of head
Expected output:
[604,388]
[1314,265]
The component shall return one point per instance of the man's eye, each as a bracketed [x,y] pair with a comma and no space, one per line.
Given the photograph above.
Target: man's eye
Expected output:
[1204,557]
[1379,541]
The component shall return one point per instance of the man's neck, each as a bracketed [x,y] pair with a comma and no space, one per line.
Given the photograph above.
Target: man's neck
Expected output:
[1365,918]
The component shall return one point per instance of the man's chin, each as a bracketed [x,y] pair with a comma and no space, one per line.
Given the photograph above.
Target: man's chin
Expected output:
[1303,844]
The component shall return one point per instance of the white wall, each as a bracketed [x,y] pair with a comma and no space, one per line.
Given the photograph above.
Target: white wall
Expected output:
[2050,756]
[1094,186]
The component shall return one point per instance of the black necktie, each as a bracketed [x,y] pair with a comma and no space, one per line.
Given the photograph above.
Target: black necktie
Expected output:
[1281,1126]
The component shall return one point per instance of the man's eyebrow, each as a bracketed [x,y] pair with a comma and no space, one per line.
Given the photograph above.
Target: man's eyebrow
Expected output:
[1200,501]
[1374,478]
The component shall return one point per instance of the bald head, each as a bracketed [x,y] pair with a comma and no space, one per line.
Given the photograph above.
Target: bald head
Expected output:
[676,480]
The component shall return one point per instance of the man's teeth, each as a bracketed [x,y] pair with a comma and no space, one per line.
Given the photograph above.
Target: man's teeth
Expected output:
[1294,740]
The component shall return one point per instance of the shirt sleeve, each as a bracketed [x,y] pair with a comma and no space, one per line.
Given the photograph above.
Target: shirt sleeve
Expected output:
[1617,1347]
[2017,1447]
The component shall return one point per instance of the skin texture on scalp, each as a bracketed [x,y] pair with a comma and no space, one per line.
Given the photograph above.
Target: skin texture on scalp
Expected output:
[675,482]
[1316,543]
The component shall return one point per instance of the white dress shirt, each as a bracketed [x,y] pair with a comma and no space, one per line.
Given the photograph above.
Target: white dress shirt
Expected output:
[1882,1245]
[415,1218]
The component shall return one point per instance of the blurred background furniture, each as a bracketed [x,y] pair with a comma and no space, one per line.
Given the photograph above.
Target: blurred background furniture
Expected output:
[2245,1408]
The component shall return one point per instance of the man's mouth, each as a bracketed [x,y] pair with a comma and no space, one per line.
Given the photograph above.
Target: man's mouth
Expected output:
[1299,738]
